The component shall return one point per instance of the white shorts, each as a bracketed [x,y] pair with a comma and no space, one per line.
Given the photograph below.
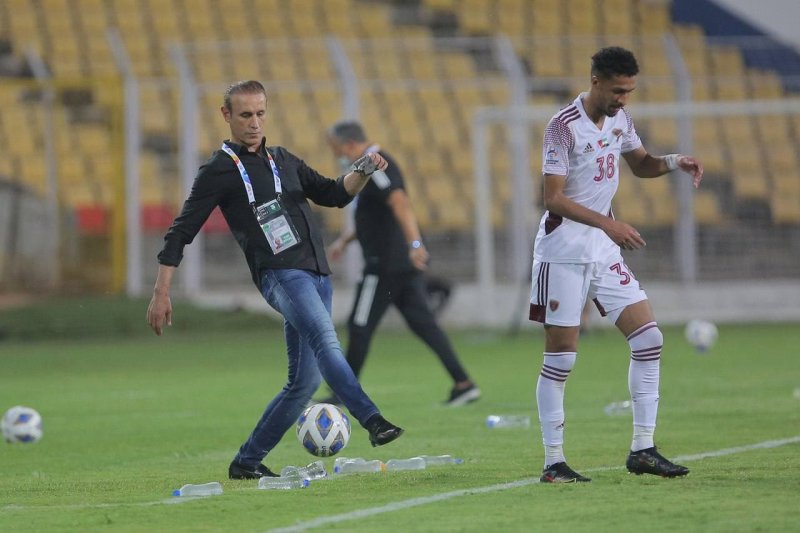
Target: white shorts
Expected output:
[559,290]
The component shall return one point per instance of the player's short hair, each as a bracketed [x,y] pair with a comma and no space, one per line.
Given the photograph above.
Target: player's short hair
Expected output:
[348,130]
[243,87]
[614,61]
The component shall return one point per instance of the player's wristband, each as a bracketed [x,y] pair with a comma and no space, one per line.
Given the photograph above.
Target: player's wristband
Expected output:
[672,161]
[415,244]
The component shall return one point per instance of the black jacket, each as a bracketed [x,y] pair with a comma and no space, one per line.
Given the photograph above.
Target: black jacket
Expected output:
[218,183]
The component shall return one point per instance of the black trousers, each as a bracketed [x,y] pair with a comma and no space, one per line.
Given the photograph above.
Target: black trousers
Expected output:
[407,291]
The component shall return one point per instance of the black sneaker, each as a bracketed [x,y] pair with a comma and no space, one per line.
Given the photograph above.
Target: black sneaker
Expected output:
[561,473]
[240,471]
[649,461]
[381,431]
[460,397]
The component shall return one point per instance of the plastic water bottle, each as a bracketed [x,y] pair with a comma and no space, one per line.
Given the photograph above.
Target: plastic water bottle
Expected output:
[508,421]
[414,463]
[352,466]
[315,470]
[435,460]
[796,393]
[617,408]
[284,483]
[206,489]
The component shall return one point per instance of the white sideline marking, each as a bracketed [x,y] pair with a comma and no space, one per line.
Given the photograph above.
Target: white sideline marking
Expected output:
[424,500]
[404,504]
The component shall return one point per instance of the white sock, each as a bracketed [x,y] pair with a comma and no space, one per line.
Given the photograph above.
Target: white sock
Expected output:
[550,402]
[643,379]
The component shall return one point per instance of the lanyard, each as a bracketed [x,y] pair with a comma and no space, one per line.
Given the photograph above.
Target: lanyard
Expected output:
[246,177]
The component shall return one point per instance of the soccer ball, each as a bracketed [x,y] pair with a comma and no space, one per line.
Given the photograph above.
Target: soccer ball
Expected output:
[701,334]
[22,424]
[323,430]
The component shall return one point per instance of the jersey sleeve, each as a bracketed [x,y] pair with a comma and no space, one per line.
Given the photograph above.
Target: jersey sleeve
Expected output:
[558,143]
[630,139]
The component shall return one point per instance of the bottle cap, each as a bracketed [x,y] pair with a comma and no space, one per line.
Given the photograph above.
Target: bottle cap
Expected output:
[176,492]
[306,482]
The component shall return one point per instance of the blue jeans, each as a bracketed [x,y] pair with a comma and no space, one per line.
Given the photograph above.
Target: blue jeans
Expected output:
[304,300]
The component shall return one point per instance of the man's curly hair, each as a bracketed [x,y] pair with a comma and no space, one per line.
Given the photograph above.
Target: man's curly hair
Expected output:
[614,61]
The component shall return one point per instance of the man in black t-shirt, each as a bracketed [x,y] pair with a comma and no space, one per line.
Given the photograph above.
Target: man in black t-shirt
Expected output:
[395,259]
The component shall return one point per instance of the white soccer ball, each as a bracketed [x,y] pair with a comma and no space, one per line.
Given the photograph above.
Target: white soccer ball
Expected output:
[701,334]
[22,424]
[323,430]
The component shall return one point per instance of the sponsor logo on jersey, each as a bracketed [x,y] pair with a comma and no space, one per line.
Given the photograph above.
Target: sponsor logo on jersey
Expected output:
[602,143]
[589,148]
[616,132]
[552,156]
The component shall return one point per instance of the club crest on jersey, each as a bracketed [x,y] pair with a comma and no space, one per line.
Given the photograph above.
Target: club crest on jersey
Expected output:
[589,148]
[552,156]
[602,143]
[553,304]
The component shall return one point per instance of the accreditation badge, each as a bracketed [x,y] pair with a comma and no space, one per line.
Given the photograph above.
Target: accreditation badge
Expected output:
[277,226]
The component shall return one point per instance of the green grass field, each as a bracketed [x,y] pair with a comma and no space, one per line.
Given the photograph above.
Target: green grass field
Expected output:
[129,417]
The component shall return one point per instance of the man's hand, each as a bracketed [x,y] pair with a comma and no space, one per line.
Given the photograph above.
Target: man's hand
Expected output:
[419,257]
[336,249]
[159,312]
[369,163]
[624,235]
[692,166]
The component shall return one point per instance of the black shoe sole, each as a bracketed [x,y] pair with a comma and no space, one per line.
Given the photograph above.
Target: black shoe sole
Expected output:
[237,472]
[389,437]
[659,474]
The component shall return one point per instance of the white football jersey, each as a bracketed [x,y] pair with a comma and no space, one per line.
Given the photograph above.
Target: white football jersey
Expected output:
[590,159]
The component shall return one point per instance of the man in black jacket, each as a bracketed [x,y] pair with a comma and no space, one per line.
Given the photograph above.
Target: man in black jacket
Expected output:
[395,259]
[262,193]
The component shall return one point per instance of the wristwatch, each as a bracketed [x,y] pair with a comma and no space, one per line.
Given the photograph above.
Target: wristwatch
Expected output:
[415,244]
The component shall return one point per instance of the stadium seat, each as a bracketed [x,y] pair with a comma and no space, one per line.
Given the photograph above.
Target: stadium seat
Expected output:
[706,208]
[785,208]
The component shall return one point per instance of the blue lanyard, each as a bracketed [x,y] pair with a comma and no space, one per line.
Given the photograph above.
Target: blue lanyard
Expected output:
[248,185]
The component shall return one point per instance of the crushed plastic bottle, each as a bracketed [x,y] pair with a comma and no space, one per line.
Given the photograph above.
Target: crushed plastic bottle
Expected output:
[435,460]
[414,463]
[315,470]
[352,466]
[206,489]
[508,421]
[617,408]
[284,483]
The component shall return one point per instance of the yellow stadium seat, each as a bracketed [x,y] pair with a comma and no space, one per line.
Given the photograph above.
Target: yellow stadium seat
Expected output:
[737,130]
[654,18]
[617,17]
[750,185]
[773,129]
[726,61]
[765,85]
[706,208]
[714,158]
[731,88]
[582,17]
[781,159]
[785,208]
